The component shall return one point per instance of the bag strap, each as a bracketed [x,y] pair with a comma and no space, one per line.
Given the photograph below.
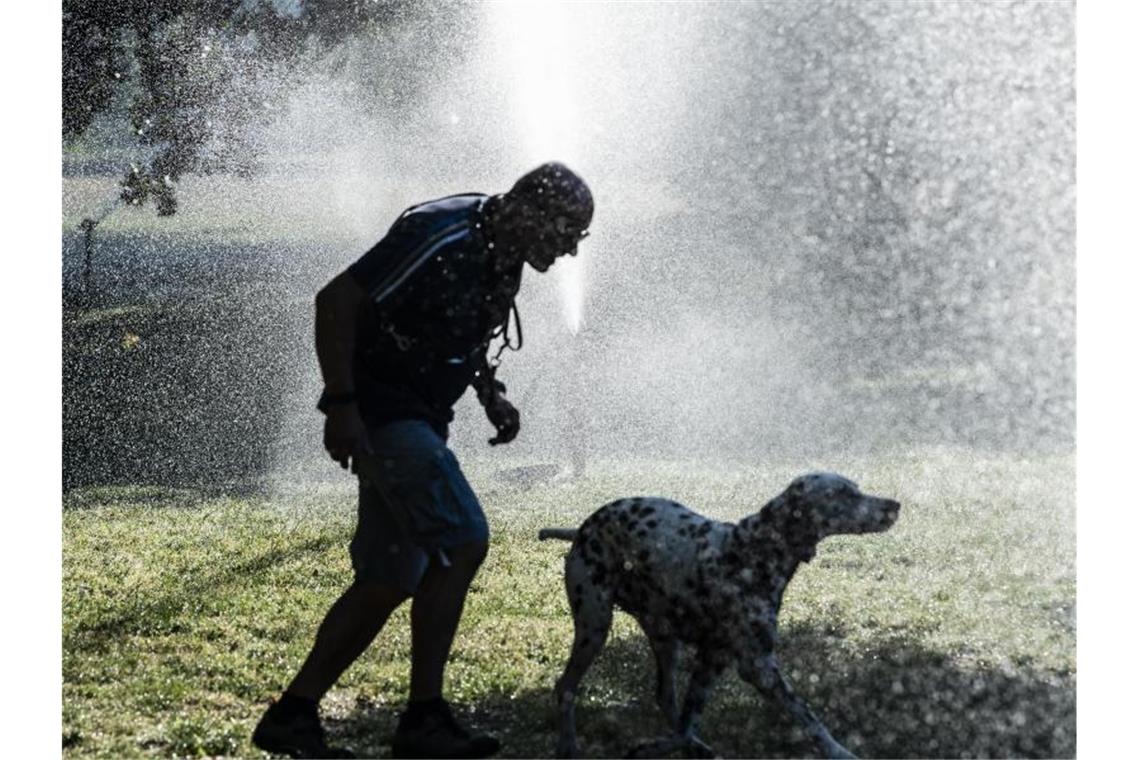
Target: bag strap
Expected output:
[503,331]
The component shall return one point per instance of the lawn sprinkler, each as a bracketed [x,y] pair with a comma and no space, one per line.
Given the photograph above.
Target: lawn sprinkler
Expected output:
[137,187]
[87,226]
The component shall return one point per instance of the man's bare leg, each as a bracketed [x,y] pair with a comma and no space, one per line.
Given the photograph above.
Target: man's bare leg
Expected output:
[436,609]
[351,624]
[427,728]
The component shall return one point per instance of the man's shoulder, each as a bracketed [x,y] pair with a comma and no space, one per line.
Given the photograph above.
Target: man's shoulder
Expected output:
[442,212]
[418,235]
[438,223]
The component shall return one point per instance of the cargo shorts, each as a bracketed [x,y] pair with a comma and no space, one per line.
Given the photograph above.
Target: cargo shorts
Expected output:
[415,504]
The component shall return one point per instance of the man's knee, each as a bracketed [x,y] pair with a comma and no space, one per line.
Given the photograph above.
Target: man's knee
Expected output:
[468,556]
[378,595]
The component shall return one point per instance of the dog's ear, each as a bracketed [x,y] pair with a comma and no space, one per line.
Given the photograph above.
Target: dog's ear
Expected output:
[776,512]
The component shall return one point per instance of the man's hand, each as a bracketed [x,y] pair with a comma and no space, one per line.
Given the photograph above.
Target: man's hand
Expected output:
[504,417]
[500,412]
[345,434]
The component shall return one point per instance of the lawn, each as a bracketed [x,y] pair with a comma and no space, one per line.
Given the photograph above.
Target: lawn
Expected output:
[953,635]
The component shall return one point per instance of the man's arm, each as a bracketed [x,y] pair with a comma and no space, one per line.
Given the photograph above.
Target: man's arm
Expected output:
[484,382]
[500,412]
[337,310]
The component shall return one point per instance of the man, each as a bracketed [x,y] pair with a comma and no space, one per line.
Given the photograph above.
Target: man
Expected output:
[400,335]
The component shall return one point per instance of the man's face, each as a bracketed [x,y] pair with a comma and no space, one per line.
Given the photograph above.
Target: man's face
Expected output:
[540,234]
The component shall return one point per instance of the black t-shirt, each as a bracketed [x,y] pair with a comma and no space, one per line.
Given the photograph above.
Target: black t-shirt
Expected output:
[436,296]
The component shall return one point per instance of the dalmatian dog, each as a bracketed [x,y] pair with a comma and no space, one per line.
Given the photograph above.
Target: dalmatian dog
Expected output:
[715,586]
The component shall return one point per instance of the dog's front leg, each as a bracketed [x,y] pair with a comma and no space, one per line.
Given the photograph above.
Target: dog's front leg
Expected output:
[764,673]
[567,738]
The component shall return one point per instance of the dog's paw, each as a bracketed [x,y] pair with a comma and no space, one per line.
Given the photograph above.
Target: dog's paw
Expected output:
[646,749]
[690,746]
[694,747]
[662,747]
[838,752]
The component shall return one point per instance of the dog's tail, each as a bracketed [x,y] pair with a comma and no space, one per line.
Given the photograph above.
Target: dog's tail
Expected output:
[562,534]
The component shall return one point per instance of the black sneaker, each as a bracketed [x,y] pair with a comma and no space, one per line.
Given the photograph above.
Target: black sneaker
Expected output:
[297,735]
[436,734]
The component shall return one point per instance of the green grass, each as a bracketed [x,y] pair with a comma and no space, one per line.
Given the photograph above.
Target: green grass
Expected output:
[952,635]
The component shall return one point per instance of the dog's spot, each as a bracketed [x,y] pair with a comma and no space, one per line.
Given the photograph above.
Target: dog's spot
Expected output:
[763,636]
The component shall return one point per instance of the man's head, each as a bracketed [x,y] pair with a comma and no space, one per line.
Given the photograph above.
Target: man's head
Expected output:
[544,215]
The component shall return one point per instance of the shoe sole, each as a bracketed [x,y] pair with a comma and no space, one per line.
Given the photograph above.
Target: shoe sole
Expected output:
[275,748]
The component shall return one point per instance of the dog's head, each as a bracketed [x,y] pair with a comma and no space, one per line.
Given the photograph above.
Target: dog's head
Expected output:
[818,505]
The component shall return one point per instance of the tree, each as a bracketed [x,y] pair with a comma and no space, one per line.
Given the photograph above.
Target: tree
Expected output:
[194,72]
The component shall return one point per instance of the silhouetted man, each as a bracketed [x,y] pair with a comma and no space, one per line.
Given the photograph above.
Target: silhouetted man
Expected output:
[400,336]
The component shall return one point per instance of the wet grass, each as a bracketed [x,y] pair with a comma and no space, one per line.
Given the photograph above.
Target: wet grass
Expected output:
[951,636]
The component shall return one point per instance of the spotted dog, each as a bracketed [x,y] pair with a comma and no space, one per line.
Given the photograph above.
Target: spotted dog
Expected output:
[713,585]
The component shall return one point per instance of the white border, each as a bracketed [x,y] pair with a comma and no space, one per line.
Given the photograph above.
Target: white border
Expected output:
[1107,247]
[1107,219]
[32,556]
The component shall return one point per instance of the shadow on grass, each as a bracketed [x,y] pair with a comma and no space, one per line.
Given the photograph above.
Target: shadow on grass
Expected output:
[190,497]
[898,699]
[150,614]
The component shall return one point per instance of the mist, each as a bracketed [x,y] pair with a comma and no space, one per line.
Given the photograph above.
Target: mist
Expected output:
[822,230]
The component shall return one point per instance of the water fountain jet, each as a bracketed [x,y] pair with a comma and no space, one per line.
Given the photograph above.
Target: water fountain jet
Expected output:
[534,44]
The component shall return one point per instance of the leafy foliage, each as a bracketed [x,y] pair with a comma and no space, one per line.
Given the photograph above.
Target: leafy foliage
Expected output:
[196,73]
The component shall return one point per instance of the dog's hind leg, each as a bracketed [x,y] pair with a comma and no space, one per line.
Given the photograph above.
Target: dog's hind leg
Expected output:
[700,687]
[764,674]
[685,738]
[666,651]
[592,606]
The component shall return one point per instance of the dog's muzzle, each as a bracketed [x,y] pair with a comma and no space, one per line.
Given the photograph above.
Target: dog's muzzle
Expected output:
[888,512]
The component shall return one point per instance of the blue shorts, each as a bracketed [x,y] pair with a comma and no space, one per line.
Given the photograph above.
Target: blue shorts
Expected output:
[415,503]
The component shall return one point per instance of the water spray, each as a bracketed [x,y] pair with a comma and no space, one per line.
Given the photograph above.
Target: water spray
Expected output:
[536,45]
[572,285]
